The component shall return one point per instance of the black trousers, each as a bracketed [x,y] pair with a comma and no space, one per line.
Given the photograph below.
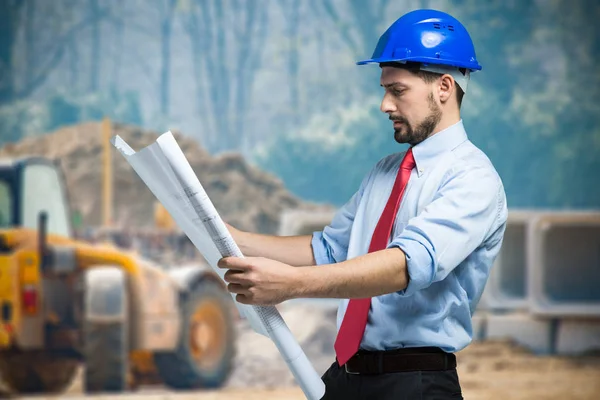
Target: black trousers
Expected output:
[414,385]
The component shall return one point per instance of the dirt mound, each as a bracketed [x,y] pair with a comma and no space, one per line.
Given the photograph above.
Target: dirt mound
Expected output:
[245,196]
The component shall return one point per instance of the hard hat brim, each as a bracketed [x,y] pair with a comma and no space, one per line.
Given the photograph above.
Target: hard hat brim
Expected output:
[423,60]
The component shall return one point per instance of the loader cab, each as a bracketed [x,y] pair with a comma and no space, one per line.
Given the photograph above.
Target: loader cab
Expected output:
[29,186]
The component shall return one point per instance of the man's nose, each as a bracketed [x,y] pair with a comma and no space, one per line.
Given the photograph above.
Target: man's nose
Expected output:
[387,105]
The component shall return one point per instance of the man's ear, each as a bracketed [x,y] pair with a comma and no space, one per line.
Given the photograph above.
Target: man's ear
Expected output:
[446,87]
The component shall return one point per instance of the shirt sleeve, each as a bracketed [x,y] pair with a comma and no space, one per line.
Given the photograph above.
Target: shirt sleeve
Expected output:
[466,210]
[331,245]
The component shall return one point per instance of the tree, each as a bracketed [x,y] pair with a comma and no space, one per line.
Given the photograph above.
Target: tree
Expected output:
[25,67]
[9,24]
[226,50]
[95,58]
[119,39]
[360,28]
[167,11]
[140,22]
[359,25]
[291,10]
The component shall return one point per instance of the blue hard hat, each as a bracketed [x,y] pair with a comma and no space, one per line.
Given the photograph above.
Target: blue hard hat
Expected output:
[429,37]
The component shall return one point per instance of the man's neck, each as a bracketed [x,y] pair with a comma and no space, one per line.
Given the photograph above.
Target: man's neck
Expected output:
[447,121]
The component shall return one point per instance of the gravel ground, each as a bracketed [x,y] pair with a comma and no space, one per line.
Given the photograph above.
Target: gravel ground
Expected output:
[488,370]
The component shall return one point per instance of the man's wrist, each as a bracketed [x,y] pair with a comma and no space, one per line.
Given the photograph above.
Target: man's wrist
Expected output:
[303,282]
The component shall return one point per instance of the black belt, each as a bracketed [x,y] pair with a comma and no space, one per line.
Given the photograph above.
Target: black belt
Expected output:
[400,360]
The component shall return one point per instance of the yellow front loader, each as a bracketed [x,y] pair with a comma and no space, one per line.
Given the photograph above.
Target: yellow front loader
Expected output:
[65,303]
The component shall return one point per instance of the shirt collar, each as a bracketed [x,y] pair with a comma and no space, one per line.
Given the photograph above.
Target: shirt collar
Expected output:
[426,152]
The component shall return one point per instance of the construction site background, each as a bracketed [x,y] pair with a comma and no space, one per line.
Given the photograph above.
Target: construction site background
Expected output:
[280,126]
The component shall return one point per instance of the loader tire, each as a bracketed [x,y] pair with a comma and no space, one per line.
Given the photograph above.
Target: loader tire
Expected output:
[36,373]
[105,335]
[205,352]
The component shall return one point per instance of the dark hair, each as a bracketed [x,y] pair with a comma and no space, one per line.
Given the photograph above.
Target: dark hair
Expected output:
[427,76]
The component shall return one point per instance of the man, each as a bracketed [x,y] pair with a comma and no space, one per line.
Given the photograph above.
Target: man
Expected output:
[409,254]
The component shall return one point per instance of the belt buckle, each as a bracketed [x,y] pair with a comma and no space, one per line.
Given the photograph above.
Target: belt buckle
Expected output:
[350,372]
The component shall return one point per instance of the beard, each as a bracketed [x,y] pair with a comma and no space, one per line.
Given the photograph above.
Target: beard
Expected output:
[415,135]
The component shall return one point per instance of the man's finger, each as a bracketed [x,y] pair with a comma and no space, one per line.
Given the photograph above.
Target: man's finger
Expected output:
[237,263]
[237,288]
[240,277]
[232,276]
[241,298]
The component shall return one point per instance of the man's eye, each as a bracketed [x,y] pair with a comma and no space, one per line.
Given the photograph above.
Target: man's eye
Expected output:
[397,93]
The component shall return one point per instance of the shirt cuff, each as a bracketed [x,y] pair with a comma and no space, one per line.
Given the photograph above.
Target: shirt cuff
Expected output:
[419,263]
[320,249]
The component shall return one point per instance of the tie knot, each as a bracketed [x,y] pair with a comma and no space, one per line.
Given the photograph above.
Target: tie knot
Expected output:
[408,162]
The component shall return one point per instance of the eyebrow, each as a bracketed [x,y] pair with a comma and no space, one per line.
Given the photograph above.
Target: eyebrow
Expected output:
[389,85]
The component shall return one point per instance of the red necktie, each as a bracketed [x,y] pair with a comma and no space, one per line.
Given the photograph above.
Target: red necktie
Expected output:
[355,319]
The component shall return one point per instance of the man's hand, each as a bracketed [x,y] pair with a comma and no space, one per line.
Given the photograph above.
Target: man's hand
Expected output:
[260,281]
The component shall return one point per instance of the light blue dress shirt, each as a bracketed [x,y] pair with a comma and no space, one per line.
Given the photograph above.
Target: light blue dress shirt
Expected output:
[450,224]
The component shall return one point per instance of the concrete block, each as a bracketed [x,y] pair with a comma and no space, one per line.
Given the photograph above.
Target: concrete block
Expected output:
[506,288]
[305,222]
[564,264]
[479,325]
[532,333]
[578,336]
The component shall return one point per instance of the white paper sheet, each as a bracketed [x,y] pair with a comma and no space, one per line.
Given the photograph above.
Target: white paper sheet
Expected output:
[165,170]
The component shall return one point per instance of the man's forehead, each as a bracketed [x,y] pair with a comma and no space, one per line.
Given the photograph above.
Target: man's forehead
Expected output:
[396,76]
